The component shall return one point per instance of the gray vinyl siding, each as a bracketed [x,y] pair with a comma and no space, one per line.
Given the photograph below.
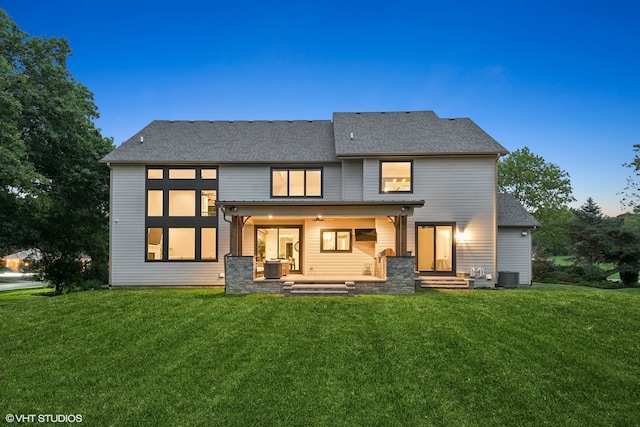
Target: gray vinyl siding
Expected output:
[352,179]
[460,190]
[127,250]
[332,177]
[253,182]
[514,252]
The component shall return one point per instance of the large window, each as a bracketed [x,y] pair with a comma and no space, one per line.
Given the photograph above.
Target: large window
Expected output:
[181,217]
[396,177]
[296,182]
[335,240]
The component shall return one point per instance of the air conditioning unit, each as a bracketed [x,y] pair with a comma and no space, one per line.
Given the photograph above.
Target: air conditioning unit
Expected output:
[508,279]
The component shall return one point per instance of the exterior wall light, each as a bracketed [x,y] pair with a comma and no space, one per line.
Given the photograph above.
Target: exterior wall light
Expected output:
[461,236]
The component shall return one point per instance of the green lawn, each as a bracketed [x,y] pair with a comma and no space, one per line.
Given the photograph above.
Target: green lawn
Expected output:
[549,355]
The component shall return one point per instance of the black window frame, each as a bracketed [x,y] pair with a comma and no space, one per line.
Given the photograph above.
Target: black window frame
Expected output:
[335,231]
[381,183]
[454,243]
[197,222]
[288,170]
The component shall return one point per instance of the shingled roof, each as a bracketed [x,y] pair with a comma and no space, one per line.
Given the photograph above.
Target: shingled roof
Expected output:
[228,142]
[409,133]
[511,213]
[420,133]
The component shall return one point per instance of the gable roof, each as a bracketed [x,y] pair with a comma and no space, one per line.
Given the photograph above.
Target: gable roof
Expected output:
[420,133]
[511,213]
[409,133]
[167,141]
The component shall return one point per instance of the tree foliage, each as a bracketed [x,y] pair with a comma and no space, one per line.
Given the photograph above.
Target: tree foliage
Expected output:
[598,239]
[53,191]
[544,189]
[622,246]
[585,233]
[537,184]
[631,193]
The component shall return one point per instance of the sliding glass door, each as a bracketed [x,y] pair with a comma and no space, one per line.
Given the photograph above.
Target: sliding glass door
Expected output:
[279,243]
[435,248]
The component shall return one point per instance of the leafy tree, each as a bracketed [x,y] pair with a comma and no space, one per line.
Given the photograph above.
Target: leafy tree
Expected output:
[54,193]
[631,193]
[544,189]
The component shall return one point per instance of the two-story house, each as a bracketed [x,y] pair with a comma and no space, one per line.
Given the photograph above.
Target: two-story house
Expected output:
[380,201]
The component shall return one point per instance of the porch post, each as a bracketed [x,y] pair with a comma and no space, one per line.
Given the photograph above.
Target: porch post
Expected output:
[236,235]
[401,235]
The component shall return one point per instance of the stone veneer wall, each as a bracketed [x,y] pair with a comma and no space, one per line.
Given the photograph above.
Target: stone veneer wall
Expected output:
[239,278]
[400,278]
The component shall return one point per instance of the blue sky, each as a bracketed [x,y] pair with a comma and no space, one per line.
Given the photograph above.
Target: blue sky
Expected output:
[561,77]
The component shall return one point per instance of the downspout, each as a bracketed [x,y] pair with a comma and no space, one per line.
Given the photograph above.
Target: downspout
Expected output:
[495,221]
[224,217]
[228,254]
[111,219]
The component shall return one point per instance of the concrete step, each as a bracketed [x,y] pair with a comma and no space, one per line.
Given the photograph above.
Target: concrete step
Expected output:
[444,282]
[319,289]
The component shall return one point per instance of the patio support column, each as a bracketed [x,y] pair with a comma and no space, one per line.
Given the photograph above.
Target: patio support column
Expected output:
[237,224]
[401,234]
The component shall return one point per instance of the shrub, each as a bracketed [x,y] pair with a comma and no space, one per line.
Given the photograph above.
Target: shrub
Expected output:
[541,268]
[586,275]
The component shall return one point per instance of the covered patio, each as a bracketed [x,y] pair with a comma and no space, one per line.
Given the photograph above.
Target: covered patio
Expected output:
[315,254]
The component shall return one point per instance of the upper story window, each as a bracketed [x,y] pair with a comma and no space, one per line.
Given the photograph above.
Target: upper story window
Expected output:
[155,173]
[396,177]
[208,173]
[298,182]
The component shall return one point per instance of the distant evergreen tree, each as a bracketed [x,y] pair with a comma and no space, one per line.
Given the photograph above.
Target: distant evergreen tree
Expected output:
[622,247]
[585,233]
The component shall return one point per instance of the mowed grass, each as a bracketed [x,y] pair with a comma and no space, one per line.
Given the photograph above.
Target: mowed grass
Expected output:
[527,357]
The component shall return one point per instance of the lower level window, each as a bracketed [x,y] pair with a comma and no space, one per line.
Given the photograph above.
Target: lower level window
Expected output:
[154,243]
[181,243]
[335,241]
[208,243]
